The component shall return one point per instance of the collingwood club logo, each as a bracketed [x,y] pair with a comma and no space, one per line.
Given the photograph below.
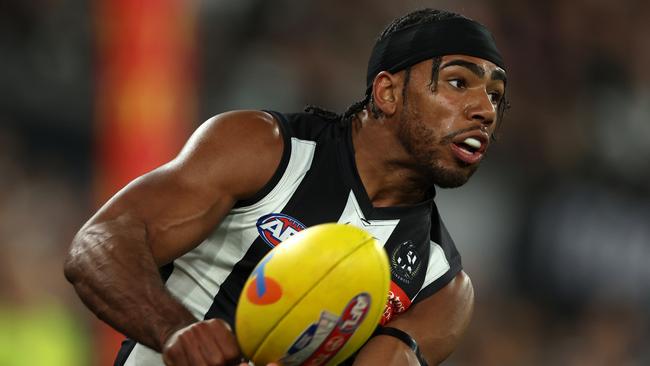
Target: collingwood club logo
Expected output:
[406,262]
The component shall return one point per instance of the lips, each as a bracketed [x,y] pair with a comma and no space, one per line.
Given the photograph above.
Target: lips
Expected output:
[470,147]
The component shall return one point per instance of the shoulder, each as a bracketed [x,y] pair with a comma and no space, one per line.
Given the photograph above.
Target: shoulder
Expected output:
[453,306]
[439,321]
[237,151]
[312,125]
[245,126]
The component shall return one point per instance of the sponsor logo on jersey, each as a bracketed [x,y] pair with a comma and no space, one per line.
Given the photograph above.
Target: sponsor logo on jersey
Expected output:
[323,340]
[405,262]
[397,303]
[263,290]
[275,228]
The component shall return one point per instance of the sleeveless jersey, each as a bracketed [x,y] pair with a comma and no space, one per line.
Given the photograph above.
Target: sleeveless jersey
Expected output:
[316,182]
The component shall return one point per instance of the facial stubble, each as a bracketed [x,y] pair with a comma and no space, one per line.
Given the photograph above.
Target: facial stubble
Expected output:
[422,143]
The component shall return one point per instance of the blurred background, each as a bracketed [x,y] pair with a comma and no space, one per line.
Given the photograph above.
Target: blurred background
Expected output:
[554,228]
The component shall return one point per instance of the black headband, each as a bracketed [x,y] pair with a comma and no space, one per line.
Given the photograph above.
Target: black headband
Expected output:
[414,44]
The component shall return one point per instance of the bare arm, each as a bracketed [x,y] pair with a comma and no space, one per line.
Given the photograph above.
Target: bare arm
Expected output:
[114,258]
[436,323]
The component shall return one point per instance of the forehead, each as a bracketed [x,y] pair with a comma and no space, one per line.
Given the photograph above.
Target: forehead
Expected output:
[486,65]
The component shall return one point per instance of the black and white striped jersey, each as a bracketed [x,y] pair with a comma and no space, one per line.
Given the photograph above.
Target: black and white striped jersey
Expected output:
[316,182]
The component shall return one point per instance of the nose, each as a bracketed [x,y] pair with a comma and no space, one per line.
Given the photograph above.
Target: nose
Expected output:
[481,109]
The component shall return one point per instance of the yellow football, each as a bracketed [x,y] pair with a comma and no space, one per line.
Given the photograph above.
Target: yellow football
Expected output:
[315,298]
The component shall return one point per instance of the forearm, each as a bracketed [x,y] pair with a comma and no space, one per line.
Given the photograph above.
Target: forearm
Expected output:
[115,275]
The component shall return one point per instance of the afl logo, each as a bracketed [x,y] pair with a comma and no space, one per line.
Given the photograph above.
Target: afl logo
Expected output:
[275,228]
[354,313]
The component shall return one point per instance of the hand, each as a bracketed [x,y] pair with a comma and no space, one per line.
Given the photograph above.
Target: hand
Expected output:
[206,343]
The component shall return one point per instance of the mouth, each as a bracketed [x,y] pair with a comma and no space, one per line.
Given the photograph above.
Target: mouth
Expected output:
[470,147]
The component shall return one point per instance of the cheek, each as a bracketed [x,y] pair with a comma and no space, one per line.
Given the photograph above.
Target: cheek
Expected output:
[442,113]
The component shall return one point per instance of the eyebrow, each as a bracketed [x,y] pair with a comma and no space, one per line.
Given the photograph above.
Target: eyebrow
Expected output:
[497,74]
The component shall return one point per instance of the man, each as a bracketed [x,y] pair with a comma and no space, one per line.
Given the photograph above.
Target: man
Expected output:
[435,88]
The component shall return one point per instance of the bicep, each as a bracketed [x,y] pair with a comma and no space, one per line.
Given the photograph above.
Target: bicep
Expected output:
[178,204]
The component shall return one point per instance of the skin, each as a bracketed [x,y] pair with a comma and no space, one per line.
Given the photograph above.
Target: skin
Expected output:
[159,217]
[400,156]
[412,139]
[169,211]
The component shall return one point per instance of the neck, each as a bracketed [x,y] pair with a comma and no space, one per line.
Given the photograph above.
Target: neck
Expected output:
[385,167]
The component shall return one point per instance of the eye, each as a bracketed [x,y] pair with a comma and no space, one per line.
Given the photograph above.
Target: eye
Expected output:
[458,83]
[495,97]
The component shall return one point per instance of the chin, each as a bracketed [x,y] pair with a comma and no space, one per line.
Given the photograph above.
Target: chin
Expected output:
[451,177]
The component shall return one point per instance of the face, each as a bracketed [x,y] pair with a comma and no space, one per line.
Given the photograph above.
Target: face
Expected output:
[446,126]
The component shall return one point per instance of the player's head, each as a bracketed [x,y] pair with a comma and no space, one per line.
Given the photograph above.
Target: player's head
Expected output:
[407,40]
[441,77]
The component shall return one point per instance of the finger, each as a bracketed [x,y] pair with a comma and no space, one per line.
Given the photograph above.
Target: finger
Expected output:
[193,355]
[209,347]
[224,337]
[175,356]
[168,360]
[173,353]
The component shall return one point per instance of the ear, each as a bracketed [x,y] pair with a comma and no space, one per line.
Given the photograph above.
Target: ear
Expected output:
[385,92]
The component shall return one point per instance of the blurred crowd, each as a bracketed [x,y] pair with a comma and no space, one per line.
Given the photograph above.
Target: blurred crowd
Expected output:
[554,228]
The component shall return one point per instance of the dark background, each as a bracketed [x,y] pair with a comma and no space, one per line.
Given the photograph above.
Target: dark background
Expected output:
[554,228]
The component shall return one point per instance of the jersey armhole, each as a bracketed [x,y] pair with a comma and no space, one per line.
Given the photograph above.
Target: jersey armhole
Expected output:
[285,130]
[453,258]
[454,268]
